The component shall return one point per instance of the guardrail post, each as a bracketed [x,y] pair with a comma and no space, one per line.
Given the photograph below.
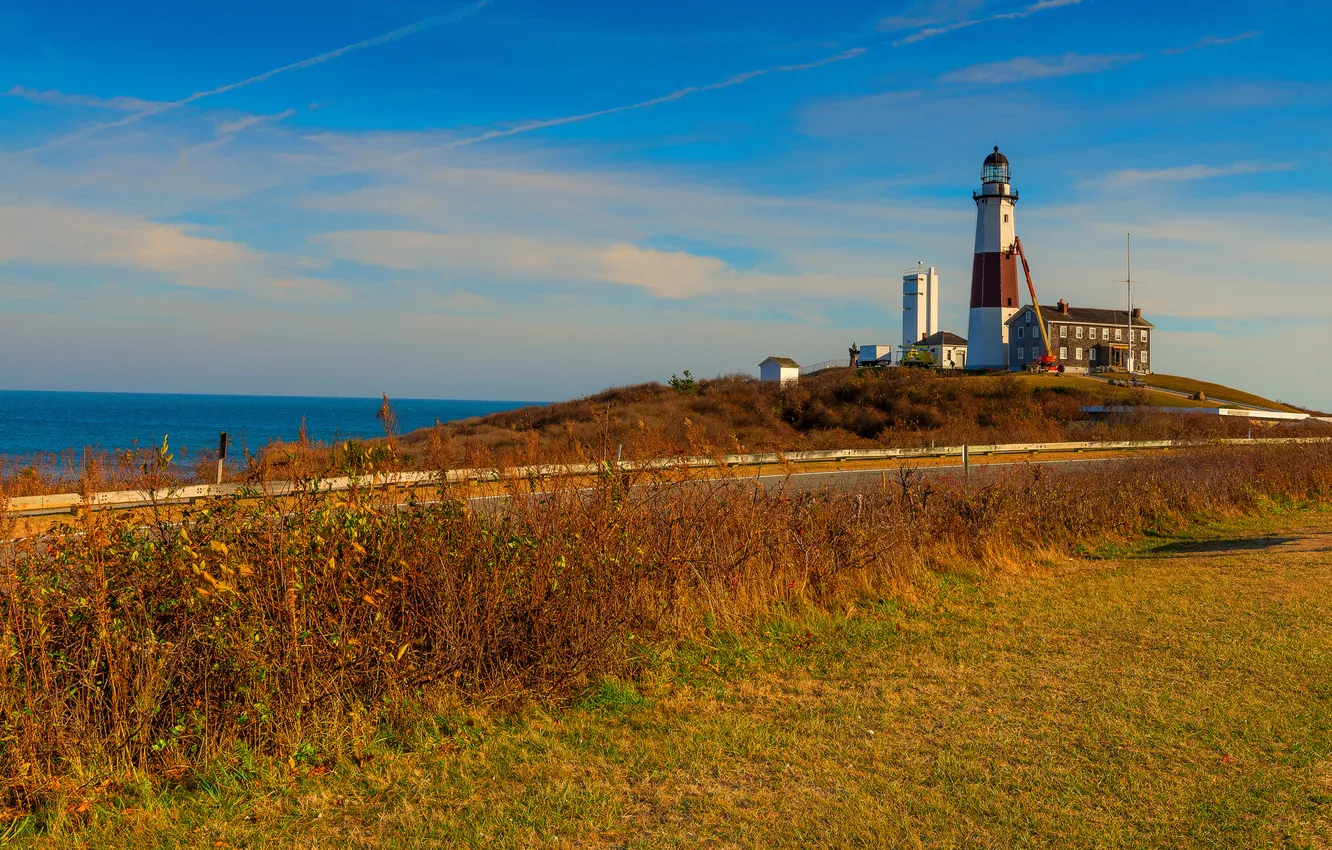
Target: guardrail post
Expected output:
[966,464]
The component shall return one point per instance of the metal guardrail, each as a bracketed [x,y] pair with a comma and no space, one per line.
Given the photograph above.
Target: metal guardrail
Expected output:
[129,499]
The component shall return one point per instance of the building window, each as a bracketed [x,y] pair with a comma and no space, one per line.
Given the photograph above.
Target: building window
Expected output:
[1091,333]
[1028,318]
[1143,357]
[1079,334]
[1091,355]
[1143,335]
[1063,353]
[1077,353]
[1020,330]
[1022,353]
[1119,334]
[1063,331]
[1005,218]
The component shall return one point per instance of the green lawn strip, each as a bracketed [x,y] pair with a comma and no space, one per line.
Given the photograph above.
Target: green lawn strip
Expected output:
[1165,698]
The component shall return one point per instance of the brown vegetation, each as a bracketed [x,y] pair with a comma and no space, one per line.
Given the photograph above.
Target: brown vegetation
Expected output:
[735,414]
[253,626]
[838,409]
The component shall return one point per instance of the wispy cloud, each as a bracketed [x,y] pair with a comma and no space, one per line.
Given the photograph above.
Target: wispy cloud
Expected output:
[671,275]
[1017,14]
[59,98]
[678,94]
[925,13]
[1213,41]
[1024,68]
[231,128]
[110,243]
[166,106]
[1175,174]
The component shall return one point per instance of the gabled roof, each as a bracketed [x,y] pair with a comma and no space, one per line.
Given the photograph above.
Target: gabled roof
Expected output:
[1087,315]
[943,338]
[782,361]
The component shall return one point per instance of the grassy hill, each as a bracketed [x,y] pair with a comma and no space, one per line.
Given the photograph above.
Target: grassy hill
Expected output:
[1218,391]
[837,409]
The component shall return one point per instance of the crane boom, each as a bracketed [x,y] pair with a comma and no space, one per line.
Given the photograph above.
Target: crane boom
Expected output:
[1048,359]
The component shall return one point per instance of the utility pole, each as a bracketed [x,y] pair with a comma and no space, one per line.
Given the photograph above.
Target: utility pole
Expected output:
[1128,279]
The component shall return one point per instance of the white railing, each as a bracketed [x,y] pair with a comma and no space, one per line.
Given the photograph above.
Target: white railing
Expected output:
[824,366]
[127,499]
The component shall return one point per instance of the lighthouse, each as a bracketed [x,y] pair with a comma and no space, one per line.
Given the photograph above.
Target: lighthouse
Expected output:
[994,270]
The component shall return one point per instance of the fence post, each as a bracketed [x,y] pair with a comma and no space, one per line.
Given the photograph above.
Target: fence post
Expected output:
[966,464]
[221,454]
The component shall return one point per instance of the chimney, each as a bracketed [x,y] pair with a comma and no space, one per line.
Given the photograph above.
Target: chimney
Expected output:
[1063,306]
[1137,312]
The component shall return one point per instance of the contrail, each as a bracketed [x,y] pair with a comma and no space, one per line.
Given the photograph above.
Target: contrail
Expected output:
[678,94]
[1024,12]
[392,35]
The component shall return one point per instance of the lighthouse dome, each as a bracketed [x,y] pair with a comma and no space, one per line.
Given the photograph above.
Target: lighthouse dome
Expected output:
[995,169]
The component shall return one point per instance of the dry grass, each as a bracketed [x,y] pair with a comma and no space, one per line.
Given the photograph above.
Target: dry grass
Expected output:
[1169,695]
[261,629]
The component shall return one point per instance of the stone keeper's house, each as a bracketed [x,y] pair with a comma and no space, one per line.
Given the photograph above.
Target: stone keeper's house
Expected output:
[1083,339]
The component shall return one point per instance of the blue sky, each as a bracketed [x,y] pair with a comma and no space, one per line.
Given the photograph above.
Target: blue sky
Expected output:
[511,199]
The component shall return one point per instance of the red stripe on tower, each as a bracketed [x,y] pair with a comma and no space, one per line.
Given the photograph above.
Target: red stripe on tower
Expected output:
[994,279]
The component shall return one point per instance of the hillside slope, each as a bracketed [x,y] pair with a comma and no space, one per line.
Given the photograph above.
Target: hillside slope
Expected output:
[1192,386]
[836,409]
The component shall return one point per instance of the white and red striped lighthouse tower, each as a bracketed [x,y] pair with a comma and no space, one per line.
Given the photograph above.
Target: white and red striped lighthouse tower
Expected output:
[994,271]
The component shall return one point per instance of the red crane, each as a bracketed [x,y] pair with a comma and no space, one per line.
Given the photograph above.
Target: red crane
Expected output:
[1046,362]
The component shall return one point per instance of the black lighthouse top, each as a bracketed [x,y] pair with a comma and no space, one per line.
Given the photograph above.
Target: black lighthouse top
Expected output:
[995,169]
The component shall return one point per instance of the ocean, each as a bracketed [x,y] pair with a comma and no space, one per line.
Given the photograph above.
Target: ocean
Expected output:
[56,421]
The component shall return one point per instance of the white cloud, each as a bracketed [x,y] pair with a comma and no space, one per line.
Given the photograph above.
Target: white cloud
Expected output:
[1213,41]
[924,13]
[1180,173]
[61,237]
[665,274]
[121,103]
[1023,68]
[231,128]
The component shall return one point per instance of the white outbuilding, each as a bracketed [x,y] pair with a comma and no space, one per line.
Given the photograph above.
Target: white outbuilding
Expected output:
[779,369]
[875,354]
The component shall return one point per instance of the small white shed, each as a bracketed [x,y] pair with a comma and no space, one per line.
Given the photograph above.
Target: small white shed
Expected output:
[779,369]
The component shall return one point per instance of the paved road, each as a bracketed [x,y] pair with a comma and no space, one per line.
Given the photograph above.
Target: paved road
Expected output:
[843,480]
[850,480]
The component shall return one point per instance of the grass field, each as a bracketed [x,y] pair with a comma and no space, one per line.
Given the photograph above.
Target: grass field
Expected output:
[1173,693]
[1119,395]
[1192,385]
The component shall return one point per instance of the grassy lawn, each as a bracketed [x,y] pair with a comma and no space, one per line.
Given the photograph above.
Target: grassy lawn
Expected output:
[1190,385]
[1119,395]
[1177,693]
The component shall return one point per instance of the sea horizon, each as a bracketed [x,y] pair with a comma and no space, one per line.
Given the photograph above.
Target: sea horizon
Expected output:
[55,421]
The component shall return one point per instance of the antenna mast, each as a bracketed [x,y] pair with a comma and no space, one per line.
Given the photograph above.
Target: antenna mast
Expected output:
[1128,268]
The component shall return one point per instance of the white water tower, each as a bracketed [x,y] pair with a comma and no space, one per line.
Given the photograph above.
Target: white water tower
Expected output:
[920,303]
